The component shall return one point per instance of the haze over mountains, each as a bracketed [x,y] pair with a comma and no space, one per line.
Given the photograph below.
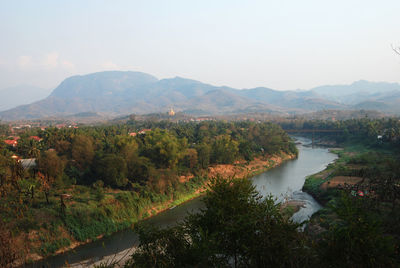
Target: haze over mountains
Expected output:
[18,95]
[115,93]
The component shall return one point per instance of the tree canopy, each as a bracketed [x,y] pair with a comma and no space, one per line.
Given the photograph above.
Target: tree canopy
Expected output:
[236,228]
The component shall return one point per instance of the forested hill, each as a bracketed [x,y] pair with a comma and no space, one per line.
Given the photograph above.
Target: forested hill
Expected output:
[116,93]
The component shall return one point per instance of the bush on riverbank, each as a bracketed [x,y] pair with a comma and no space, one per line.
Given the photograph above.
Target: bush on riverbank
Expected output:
[236,228]
[357,226]
[355,237]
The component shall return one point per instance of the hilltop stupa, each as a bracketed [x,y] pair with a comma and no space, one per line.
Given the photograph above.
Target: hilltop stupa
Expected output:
[171,112]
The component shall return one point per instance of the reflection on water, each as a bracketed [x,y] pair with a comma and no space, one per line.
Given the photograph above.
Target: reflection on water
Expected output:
[284,181]
[287,180]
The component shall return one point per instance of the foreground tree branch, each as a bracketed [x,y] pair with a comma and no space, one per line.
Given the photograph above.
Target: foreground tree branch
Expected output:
[396,49]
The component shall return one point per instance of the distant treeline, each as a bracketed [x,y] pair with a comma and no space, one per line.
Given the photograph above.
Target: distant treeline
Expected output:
[365,129]
[140,152]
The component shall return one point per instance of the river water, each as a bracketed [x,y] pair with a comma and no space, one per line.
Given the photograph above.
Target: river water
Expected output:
[284,182]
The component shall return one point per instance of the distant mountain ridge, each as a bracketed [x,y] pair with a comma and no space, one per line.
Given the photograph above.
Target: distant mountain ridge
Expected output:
[115,93]
[102,84]
[351,94]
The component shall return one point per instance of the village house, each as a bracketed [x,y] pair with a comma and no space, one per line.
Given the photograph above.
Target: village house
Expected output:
[28,163]
[61,126]
[201,119]
[12,143]
[36,138]
[143,131]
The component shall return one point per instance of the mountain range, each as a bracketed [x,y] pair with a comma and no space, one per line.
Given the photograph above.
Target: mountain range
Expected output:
[115,93]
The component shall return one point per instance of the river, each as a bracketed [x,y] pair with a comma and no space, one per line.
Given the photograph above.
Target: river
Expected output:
[284,182]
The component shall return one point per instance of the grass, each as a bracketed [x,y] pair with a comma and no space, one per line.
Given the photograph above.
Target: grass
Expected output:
[92,212]
[312,184]
[89,216]
[348,154]
[353,158]
[49,248]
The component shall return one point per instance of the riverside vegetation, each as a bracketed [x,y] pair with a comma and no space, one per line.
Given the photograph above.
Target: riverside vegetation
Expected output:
[93,181]
[359,226]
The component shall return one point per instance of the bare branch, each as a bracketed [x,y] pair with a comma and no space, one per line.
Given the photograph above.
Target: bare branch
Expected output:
[396,49]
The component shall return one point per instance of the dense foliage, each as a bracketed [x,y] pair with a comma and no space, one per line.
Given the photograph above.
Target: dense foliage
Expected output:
[115,174]
[359,227]
[236,228]
[372,131]
[354,230]
[117,178]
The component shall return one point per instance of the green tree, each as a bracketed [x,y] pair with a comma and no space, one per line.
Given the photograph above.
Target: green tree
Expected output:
[236,228]
[28,148]
[356,239]
[225,150]
[50,167]
[162,148]
[112,170]
[190,158]
[203,154]
[82,151]
[246,149]
[140,169]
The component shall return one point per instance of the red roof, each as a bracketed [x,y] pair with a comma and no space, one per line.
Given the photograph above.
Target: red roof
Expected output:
[11,142]
[133,134]
[144,130]
[36,138]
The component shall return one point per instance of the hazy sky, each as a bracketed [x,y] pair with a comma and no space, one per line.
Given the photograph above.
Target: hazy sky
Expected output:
[243,44]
